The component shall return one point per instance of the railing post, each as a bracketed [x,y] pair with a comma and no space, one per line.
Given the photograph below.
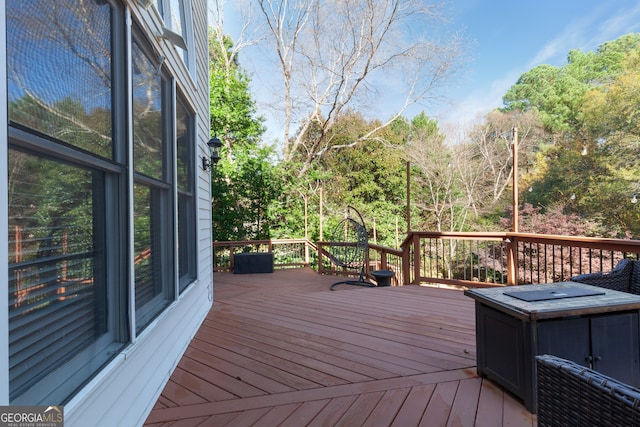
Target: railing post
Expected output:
[306,251]
[405,266]
[320,269]
[367,265]
[416,259]
[512,261]
[515,201]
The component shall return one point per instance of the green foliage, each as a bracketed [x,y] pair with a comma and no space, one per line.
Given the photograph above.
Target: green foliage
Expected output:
[589,105]
[232,109]
[243,192]
[288,209]
[434,180]
[613,129]
[553,91]
[244,183]
[369,176]
[590,102]
[558,92]
[52,206]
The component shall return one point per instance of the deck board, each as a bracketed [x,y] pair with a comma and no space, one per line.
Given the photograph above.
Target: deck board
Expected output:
[281,349]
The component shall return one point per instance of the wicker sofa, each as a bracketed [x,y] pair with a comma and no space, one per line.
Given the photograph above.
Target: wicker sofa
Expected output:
[624,277]
[572,395]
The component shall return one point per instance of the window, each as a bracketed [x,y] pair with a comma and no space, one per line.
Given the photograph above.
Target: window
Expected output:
[71,133]
[177,23]
[58,289]
[45,38]
[152,291]
[177,15]
[148,141]
[185,143]
[67,251]
[153,193]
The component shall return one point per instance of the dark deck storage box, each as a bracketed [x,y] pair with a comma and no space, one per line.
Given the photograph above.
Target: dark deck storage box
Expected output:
[253,262]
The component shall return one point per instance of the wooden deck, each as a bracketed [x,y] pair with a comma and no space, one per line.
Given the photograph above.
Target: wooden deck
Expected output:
[282,350]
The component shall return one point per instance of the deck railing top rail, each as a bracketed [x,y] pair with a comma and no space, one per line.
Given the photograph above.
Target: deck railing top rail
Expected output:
[623,245]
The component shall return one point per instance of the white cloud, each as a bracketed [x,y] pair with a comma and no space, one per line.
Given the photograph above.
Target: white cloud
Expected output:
[588,32]
[624,22]
[474,106]
[585,33]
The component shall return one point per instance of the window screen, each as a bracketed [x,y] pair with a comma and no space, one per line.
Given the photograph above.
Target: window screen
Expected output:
[57,279]
[59,71]
[67,311]
[185,143]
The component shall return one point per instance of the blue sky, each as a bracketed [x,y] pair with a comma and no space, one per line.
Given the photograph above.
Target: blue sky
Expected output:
[513,36]
[509,38]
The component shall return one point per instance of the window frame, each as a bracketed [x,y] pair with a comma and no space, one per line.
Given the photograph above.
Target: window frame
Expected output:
[115,254]
[110,177]
[60,383]
[186,198]
[165,8]
[162,195]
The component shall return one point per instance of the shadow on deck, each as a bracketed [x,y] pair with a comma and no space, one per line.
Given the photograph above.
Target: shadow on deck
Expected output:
[282,350]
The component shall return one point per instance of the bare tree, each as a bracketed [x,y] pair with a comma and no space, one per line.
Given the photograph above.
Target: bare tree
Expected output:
[470,175]
[339,54]
[437,192]
[486,155]
[436,182]
[248,35]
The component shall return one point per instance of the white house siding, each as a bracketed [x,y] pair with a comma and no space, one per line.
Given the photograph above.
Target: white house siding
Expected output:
[124,392]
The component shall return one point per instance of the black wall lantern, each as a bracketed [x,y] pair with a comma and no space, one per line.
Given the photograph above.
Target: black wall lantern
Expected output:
[214,143]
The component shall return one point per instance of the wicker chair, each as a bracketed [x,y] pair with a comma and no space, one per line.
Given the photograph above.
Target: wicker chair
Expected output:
[624,277]
[572,395]
[349,247]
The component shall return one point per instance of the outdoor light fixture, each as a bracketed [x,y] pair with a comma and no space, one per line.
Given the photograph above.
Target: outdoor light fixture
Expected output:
[214,143]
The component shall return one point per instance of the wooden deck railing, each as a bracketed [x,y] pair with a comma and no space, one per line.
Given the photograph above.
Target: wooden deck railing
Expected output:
[287,253]
[467,259]
[450,258]
[545,258]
